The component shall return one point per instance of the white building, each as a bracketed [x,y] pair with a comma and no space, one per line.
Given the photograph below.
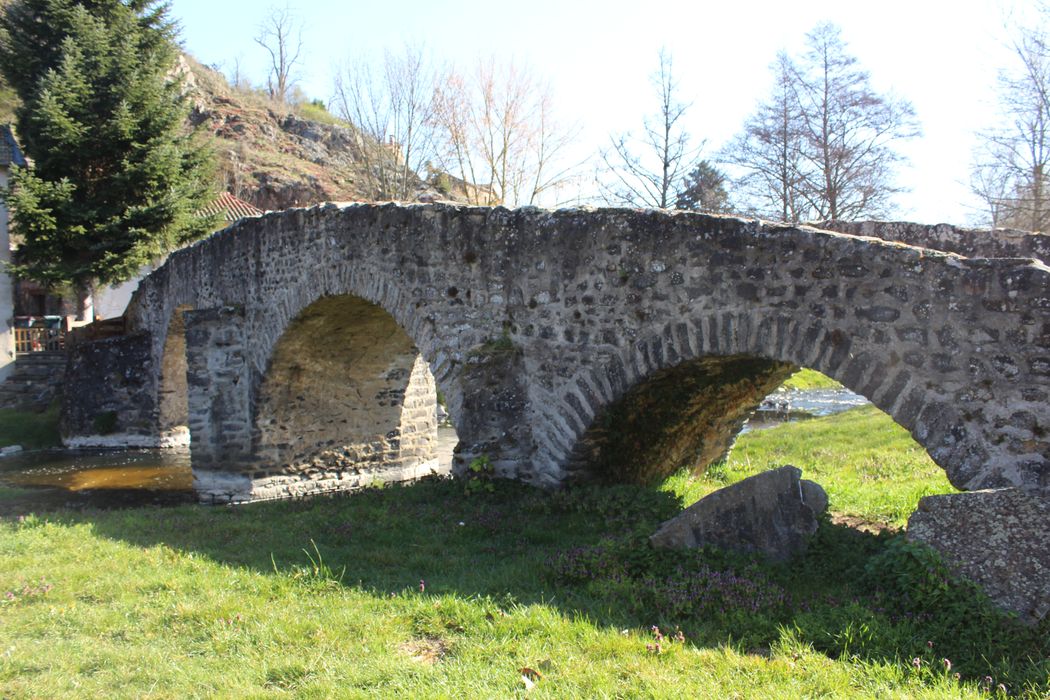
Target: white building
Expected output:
[10,155]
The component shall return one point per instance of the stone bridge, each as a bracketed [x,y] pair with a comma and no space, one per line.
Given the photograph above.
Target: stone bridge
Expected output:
[303,351]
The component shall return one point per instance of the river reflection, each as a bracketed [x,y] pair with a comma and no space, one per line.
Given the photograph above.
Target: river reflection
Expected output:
[112,479]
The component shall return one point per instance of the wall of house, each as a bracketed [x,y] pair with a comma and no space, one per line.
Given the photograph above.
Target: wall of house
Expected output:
[110,302]
[7,303]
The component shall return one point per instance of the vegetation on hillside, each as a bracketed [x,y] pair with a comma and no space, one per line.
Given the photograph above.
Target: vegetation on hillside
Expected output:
[806,379]
[276,154]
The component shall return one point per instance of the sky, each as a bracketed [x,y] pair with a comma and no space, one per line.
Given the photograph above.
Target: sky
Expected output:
[942,56]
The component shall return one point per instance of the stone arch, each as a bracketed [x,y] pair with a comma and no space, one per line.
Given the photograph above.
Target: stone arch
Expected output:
[692,385]
[346,389]
[172,390]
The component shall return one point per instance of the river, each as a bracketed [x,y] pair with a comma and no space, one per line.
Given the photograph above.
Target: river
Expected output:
[59,478]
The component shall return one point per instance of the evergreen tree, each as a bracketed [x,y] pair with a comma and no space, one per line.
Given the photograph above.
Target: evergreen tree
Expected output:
[704,189]
[115,177]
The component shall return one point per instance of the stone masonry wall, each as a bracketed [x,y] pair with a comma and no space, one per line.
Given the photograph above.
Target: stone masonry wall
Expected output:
[219,396]
[112,405]
[172,392]
[584,305]
[969,242]
[346,391]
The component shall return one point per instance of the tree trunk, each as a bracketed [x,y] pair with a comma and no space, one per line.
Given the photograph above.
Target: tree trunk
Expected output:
[85,292]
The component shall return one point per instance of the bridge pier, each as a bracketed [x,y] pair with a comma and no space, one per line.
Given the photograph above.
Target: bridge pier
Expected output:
[219,399]
[491,412]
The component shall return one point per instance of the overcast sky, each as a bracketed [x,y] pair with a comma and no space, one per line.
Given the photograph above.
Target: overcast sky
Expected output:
[941,55]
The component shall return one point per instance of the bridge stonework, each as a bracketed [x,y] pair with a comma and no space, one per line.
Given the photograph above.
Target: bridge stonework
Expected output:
[572,344]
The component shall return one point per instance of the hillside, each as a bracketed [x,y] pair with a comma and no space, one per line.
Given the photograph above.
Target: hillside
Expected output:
[278,156]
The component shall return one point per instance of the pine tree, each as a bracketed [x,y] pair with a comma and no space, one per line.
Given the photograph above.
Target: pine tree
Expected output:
[704,189]
[115,177]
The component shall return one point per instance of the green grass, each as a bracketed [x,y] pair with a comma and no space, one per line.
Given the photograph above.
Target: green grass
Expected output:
[29,429]
[318,113]
[810,379]
[322,598]
[869,465]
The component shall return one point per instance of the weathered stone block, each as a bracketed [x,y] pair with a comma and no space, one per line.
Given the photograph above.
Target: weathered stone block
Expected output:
[999,539]
[771,514]
[113,404]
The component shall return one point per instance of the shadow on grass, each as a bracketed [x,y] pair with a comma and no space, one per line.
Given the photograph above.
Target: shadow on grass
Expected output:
[585,552]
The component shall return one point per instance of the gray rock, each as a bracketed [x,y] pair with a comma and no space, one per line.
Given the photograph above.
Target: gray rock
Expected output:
[10,450]
[999,539]
[772,514]
[814,496]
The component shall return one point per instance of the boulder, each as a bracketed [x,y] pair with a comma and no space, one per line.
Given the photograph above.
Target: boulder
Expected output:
[999,539]
[771,514]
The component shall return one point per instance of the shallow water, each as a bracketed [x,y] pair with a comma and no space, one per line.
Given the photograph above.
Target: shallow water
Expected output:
[790,406]
[139,477]
[152,470]
[117,478]
[824,402]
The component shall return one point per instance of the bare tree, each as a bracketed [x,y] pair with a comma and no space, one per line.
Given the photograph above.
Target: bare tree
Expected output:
[823,146]
[848,132]
[498,135]
[1013,162]
[393,105]
[236,77]
[769,150]
[281,35]
[647,171]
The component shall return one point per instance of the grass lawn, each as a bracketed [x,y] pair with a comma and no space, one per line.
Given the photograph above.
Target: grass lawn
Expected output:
[810,379]
[426,591]
[869,465]
[29,429]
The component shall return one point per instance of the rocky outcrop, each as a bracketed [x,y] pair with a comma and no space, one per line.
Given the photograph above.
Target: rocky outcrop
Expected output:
[999,539]
[772,514]
[275,156]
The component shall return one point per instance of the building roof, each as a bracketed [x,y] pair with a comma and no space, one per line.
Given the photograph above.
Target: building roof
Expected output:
[10,153]
[231,208]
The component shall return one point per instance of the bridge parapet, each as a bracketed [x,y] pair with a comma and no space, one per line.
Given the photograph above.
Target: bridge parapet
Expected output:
[968,242]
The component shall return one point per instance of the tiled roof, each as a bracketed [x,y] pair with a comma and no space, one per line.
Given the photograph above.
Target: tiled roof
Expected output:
[230,207]
[10,153]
